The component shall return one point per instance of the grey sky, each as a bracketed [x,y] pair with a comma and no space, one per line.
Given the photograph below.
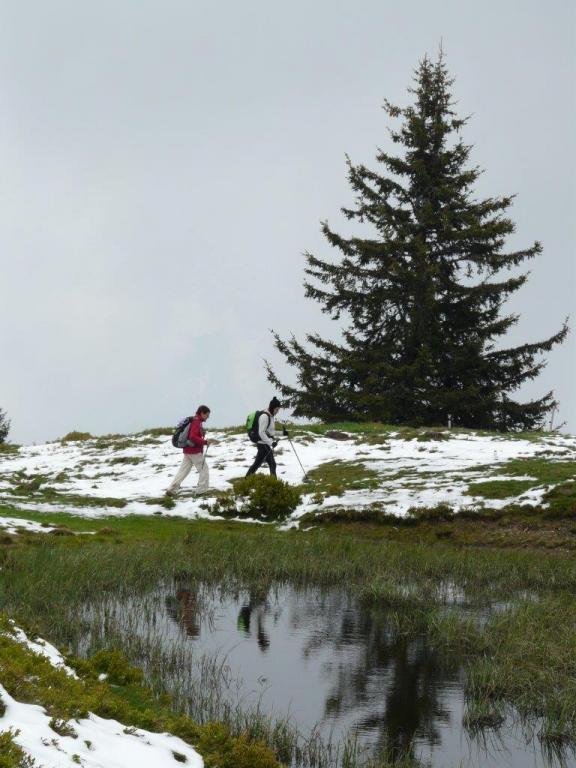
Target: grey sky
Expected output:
[164,165]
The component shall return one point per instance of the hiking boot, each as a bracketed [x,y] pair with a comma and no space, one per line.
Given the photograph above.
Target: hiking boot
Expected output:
[170,493]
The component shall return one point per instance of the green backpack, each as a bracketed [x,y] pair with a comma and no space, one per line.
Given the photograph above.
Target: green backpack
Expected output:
[252,425]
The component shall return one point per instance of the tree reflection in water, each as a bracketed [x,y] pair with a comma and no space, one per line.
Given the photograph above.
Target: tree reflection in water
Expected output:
[399,680]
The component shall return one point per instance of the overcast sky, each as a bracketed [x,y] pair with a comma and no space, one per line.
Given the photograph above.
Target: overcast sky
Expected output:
[165,164]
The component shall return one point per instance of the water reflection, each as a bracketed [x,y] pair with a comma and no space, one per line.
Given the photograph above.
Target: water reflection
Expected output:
[327,659]
[184,609]
[257,607]
[396,685]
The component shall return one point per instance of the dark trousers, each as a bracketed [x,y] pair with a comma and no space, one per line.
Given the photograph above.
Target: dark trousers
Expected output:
[265,454]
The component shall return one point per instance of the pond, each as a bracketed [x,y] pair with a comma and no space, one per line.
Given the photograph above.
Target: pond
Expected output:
[319,657]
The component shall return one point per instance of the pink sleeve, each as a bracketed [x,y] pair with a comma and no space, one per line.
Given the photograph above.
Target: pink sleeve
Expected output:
[195,434]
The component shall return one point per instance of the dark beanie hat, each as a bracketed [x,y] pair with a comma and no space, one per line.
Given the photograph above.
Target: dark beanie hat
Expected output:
[274,403]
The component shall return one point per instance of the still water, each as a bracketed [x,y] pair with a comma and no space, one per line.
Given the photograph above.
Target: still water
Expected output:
[332,663]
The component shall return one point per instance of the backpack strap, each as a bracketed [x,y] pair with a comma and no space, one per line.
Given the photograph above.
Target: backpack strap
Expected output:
[269,422]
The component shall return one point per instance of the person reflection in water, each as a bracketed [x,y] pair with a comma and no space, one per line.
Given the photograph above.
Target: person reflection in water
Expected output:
[257,606]
[183,608]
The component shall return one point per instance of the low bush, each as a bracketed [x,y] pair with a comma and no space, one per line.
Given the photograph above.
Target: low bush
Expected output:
[127,460]
[221,750]
[162,501]
[438,513]
[111,663]
[432,435]
[75,436]
[11,755]
[9,448]
[260,497]
[157,431]
[372,515]
[31,486]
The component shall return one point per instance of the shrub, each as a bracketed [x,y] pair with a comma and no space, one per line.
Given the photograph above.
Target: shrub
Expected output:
[74,436]
[157,431]
[62,727]
[163,501]
[11,755]
[432,435]
[438,513]
[127,460]
[220,750]
[111,663]
[262,497]
[30,483]
[8,448]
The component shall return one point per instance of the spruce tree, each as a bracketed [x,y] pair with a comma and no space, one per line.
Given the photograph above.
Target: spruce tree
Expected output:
[4,426]
[422,293]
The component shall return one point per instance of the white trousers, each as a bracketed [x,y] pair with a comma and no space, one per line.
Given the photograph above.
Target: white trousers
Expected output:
[190,460]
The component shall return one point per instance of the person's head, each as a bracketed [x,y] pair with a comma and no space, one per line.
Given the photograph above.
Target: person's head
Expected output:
[203,412]
[274,406]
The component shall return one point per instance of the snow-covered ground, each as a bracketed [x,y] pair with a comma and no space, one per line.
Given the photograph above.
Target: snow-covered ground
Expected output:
[431,471]
[96,743]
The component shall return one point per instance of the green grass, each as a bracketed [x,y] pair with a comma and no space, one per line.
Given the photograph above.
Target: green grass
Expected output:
[499,489]
[335,477]
[34,487]
[562,500]
[530,660]
[544,471]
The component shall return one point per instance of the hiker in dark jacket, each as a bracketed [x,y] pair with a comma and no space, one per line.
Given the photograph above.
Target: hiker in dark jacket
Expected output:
[267,438]
[193,454]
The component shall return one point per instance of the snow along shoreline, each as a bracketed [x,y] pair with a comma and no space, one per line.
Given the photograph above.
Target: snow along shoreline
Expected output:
[96,742]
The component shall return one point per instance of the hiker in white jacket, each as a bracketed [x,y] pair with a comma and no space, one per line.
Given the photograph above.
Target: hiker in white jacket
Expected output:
[267,438]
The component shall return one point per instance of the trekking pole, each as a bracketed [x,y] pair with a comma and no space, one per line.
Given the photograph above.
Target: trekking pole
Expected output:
[305,479]
[204,459]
